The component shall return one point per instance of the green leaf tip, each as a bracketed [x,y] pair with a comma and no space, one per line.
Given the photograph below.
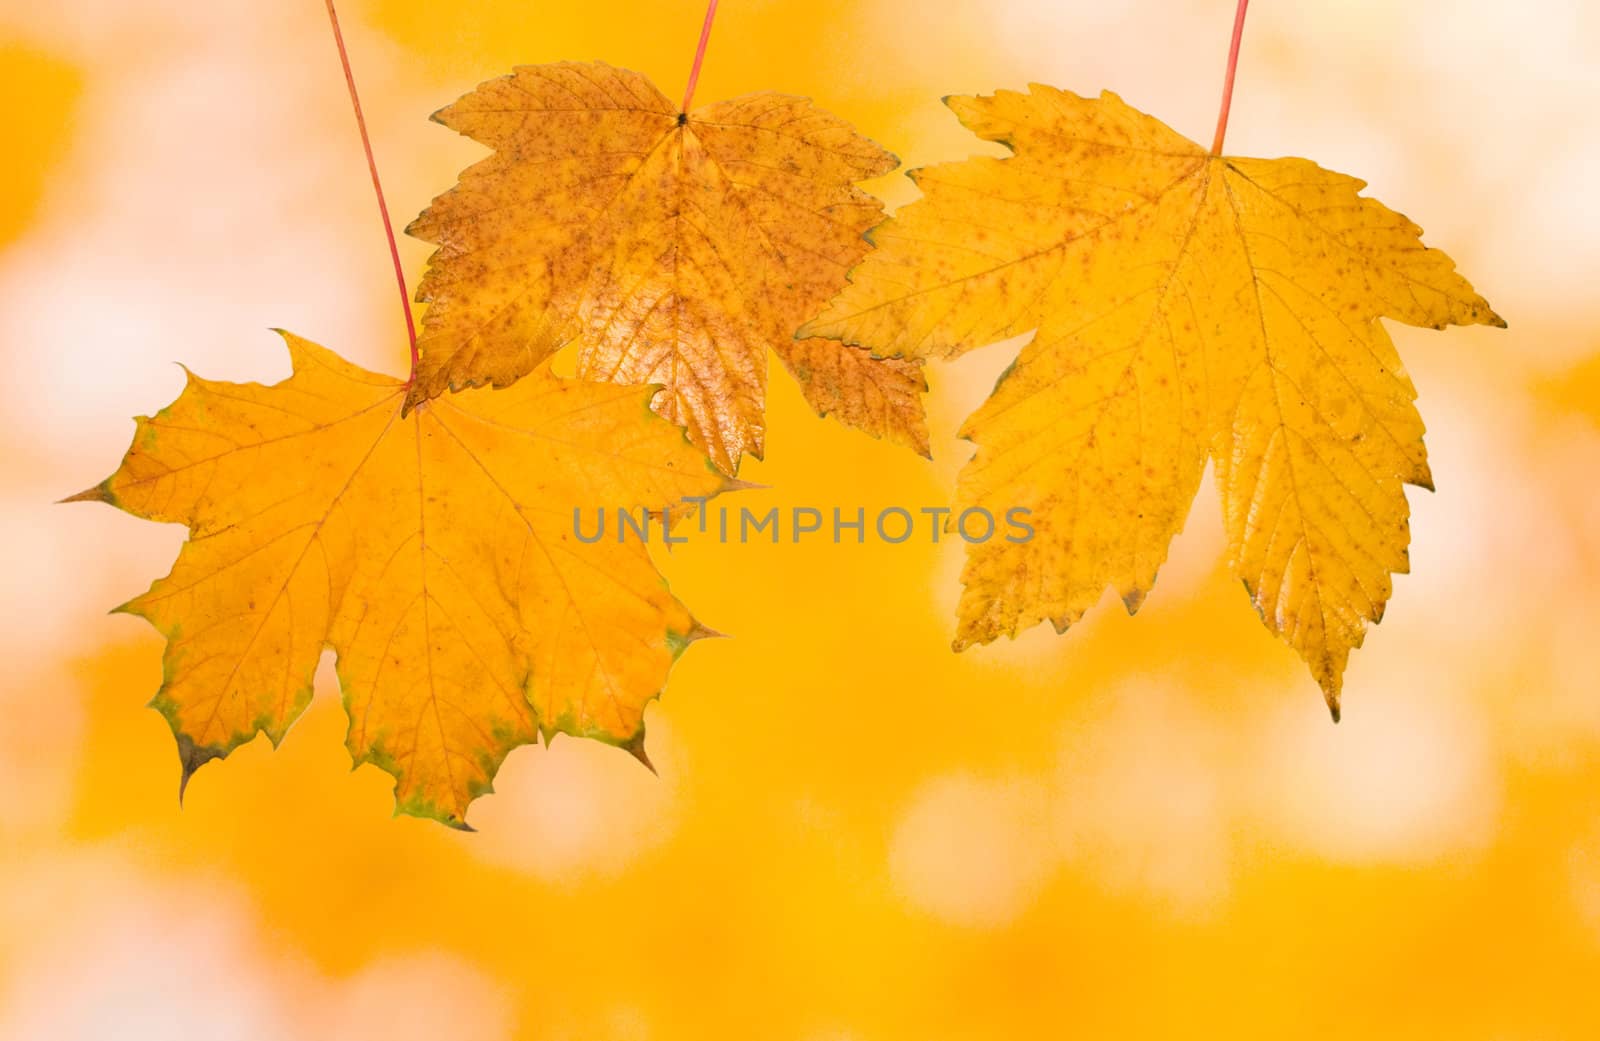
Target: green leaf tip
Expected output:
[192,757]
[99,493]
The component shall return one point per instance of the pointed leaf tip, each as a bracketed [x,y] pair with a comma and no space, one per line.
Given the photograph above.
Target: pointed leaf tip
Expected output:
[701,631]
[128,607]
[635,748]
[99,493]
[192,757]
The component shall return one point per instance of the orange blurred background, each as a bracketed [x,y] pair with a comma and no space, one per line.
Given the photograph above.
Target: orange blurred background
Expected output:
[1147,827]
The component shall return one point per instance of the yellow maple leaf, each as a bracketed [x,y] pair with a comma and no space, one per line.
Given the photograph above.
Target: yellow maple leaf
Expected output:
[672,248]
[434,551]
[1187,305]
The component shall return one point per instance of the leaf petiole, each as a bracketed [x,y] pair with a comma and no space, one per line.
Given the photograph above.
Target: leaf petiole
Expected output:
[1227,84]
[699,56]
[377,187]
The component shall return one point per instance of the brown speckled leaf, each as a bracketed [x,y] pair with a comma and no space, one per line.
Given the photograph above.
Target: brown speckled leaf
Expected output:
[670,249]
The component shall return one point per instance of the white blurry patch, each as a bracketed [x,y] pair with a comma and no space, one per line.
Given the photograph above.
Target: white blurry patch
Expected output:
[1497,601]
[64,572]
[1478,532]
[381,1002]
[579,809]
[1142,797]
[1141,804]
[1408,776]
[973,851]
[1088,48]
[149,969]
[33,558]
[96,949]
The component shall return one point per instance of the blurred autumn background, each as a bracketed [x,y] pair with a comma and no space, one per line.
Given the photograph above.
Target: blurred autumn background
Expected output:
[1147,827]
